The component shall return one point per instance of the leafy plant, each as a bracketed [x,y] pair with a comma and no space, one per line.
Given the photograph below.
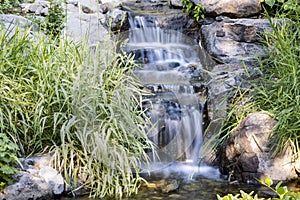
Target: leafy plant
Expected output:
[80,102]
[196,10]
[283,8]
[8,160]
[282,192]
[7,6]
[55,20]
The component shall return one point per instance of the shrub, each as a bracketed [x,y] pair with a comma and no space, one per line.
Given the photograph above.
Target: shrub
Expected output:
[7,6]
[55,20]
[78,101]
[8,160]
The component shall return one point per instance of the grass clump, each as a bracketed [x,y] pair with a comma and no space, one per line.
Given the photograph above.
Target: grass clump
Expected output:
[36,82]
[78,102]
[278,89]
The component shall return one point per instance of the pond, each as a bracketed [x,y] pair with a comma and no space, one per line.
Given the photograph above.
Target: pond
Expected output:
[186,181]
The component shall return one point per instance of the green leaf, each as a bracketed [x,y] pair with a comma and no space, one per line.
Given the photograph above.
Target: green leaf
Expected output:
[281,191]
[268,181]
[270,2]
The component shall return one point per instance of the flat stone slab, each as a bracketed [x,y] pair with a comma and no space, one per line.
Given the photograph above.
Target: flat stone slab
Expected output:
[236,40]
[231,8]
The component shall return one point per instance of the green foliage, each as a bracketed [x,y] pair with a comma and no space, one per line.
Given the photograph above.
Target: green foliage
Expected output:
[8,160]
[196,10]
[282,192]
[7,6]
[80,102]
[35,98]
[55,20]
[280,74]
[283,8]
[110,138]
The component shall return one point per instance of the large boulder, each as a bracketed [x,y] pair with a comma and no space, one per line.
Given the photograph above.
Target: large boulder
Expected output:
[36,180]
[247,155]
[231,8]
[236,40]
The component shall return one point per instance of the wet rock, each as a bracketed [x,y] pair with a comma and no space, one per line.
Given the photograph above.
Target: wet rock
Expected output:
[169,186]
[164,16]
[231,8]
[236,40]
[247,155]
[222,81]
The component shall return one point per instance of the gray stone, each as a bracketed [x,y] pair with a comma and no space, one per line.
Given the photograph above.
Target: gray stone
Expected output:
[29,186]
[247,155]
[105,7]
[222,79]
[176,3]
[236,40]
[169,186]
[84,26]
[36,180]
[11,22]
[232,8]
[53,178]
[117,20]
[8,19]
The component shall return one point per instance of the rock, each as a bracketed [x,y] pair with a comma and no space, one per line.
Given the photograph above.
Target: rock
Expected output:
[247,156]
[11,22]
[84,26]
[38,8]
[236,40]
[222,80]
[8,19]
[53,178]
[168,186]
[231,8]
[105,7]
[176,3]
[36,180]
[29,186]
[117,20]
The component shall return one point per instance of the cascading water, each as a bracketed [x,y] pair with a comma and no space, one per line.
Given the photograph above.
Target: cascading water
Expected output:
[170,62]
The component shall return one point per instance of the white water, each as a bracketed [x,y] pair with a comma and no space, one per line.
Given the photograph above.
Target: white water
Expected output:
[166,57]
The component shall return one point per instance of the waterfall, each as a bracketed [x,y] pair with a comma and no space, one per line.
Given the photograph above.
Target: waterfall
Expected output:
[169,61]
